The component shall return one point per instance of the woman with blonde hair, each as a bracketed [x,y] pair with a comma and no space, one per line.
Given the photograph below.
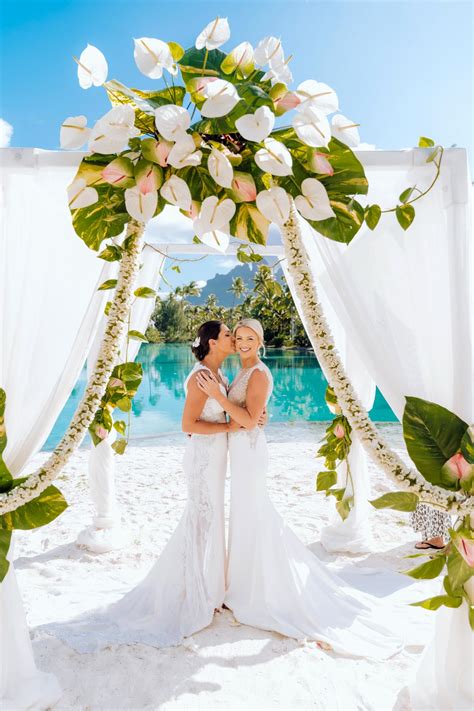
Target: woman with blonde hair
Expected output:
[273,581]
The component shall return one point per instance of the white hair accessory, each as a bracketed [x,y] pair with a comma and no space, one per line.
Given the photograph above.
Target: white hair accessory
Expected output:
[196,342]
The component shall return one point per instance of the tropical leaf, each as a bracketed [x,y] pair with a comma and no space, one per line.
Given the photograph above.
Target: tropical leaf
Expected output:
[349,176]
[434,603]
[325,480]
[192,63]
[120,426]
[38,512]
[111,253]
[5,539]
[432,435]
[137,336]
[249,224]
[145,292]
[345,225]
[372,216]
[459,571]
[104,219]
[398,500]
[427,571]
[467,445]
[119,446]
[120,94]
[5,475]
[344,506]
[108,284]
[154,99]
[405,215]
[200,183]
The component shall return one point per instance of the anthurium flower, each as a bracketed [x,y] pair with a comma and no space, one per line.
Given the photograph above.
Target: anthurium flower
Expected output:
[175,191]
[345,130]
[215,34]
[79,195]
[139,206]
[74,132]
[319,163]
[172,121]
[275,158]
[257,126]
[465,546]
[212,226]
[148,176]
[274,204]
[268,49]
[317,94]
[184,153]
[457,469]
[196,88]
[119,172]
[314,203]
[156,151]
[278,73]
[113,130]
[221,97]
[286,102]
[339,431]
[240,60]
[243,188]
[220,168]
[152,56]
[92,67]
[312,127]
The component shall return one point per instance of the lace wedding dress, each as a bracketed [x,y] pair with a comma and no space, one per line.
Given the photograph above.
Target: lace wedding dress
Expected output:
[273,581]
[186,584]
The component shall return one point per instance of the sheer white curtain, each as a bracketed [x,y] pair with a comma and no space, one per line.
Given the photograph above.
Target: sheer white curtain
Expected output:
[49,311]
[405,302]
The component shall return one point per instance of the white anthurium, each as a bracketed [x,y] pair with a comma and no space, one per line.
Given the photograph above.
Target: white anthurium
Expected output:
[215,34]
[312,127]
[314,203]
[80,195]
[74,132]
[239,60]
[279,73]
[317,94]
[345,130]
[221,97]
[269,49]
[175,191]
[220,168]
[274,204]
[113,131]
[152,56]
[172,121]
[92,67]
[139,206]
[258,126]
[275,158]
[184,153]
[212,225]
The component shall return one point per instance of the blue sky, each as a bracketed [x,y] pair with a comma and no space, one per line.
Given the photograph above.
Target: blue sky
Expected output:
[400,69]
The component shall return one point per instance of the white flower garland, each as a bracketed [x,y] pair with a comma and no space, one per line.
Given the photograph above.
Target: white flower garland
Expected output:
[323,343]
[114,332]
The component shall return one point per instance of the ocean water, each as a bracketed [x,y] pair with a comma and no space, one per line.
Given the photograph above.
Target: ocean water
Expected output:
[298,395]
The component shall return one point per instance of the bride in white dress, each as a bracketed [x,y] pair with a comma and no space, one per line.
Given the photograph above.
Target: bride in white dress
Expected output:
[187,583]
[273,581]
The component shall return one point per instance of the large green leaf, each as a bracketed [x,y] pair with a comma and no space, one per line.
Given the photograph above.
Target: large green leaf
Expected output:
[102,220]
[346,224]
[434,603]
[467,445]
[325,480]
[349,175]
[5,538]
[398,500]
[5,475]
[37,512]
[249,224]
[432,435]
[171,95]
[430,569]
[192,62]
[458,570]
[120,94]
[200,183]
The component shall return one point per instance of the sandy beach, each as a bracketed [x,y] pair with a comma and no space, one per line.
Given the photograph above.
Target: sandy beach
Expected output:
[227,665]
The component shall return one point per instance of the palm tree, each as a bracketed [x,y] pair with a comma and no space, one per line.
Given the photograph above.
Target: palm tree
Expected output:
[238,288]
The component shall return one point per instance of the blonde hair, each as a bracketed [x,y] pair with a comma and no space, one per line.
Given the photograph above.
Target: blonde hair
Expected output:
[255,326]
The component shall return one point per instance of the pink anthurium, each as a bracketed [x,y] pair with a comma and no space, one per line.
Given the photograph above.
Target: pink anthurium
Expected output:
[457,469]
[275,158]
[175,191]
[172,121]
[313,203]
[196,87]
[139,206]
[339,431]
[345,130]
[257,126]
[215,34]
[119,172]
[274,204]
[156,151]
[152,56]
[148,177]
[101,432]
[312,127]
[80,195]
[220,168]
[74,132]
[465,547]
[286,102]
[92,67]
[243,188]
[221,97]
[319,163]
[317,94]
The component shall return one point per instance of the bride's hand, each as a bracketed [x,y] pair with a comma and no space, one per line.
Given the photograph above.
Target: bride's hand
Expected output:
[263,419]
[234,426]
[209,384]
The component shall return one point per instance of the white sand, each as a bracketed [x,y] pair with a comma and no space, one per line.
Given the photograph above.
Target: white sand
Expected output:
[226,665]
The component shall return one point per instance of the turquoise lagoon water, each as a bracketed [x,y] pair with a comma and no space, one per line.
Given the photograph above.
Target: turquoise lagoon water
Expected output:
[298,393]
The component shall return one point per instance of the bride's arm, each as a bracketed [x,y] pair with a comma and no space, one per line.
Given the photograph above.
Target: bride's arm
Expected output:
[256,397]
[195,401]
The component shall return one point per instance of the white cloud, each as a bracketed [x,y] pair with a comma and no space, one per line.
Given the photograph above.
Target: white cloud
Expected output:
[6,132]
[201,284]
[170,226]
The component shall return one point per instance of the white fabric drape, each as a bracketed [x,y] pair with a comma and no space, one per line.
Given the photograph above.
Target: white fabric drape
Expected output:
[107,532]
[405,302]
[47,323]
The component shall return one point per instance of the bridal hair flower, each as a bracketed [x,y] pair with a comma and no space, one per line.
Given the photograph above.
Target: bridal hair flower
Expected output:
[196,342]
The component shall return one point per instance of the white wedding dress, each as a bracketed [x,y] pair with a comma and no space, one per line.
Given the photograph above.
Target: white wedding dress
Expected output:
[185,585]
[273,581]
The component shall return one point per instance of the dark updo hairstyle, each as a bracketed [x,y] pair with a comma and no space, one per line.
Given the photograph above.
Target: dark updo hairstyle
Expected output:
[208,330]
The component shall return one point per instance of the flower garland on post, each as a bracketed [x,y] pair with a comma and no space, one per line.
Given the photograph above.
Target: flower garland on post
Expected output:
[323,343]
[29,488]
